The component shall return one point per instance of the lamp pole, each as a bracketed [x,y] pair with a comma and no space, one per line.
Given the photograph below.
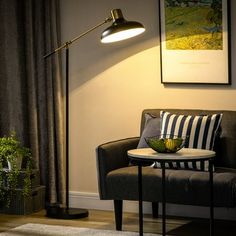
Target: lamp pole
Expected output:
[67,127]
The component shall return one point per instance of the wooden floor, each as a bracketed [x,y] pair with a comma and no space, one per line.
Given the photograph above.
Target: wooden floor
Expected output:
[105,220]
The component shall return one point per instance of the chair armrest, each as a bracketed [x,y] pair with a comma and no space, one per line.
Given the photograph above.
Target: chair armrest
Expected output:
[225,148]
[111,156]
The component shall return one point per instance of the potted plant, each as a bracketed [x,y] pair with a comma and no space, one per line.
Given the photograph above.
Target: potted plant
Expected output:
[12,153]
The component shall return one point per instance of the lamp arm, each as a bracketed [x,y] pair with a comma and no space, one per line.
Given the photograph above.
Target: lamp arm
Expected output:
[66,44]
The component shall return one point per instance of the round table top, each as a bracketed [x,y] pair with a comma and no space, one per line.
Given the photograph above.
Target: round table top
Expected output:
[184,154]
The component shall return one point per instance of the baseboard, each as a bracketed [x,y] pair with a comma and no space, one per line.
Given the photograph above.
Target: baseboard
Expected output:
[92,201]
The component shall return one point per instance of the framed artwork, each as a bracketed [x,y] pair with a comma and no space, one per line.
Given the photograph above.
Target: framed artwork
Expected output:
[195,41]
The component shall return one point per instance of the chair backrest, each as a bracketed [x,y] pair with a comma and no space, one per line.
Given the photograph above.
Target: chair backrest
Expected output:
[225,145]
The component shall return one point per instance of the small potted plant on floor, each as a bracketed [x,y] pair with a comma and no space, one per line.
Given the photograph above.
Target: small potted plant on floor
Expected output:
[12,153]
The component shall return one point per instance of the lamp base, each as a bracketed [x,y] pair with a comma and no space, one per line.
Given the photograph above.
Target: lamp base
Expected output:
[65,213]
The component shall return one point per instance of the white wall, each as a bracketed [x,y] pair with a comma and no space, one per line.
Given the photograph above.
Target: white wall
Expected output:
[112,84]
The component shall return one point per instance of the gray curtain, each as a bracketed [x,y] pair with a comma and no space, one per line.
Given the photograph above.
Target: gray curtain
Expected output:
[31,99]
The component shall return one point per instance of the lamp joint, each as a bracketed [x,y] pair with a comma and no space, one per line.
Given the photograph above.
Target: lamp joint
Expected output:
[68,43]
[116,14]
[108,19]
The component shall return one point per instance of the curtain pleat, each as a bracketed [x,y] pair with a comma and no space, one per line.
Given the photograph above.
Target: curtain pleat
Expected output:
[31,97]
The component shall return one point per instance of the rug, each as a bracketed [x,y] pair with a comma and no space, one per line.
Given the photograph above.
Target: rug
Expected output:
[54,230]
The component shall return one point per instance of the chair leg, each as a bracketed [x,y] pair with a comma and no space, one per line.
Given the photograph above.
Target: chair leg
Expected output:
[118,206]
[155,209]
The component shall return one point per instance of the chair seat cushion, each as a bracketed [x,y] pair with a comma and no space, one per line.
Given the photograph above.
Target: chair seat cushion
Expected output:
[188,187]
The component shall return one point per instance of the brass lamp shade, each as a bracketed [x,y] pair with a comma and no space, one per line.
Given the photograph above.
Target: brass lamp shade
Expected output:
[120,28]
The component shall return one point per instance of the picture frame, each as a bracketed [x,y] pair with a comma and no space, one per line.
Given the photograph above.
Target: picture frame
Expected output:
[195,42]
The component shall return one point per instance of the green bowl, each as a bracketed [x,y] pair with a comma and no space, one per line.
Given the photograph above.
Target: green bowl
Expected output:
[165,145]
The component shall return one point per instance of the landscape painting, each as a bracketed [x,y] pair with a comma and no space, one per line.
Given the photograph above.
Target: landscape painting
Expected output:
[194,41]
[193,25]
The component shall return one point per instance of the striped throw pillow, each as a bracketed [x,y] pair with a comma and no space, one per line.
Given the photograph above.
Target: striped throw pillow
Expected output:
[200,132]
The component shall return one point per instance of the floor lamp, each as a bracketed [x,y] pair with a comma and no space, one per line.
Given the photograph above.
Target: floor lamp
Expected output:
[119,30]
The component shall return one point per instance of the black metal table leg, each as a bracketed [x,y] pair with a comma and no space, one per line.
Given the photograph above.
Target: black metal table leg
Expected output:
[140,192]
[163,199]
[211,198]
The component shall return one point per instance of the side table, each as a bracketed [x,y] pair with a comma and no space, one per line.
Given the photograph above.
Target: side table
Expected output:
[184,155]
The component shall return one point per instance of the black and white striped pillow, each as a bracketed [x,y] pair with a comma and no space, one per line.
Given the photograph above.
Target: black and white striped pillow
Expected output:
[200,132]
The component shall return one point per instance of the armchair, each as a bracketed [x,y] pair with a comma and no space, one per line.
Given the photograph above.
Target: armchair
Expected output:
[118,181]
